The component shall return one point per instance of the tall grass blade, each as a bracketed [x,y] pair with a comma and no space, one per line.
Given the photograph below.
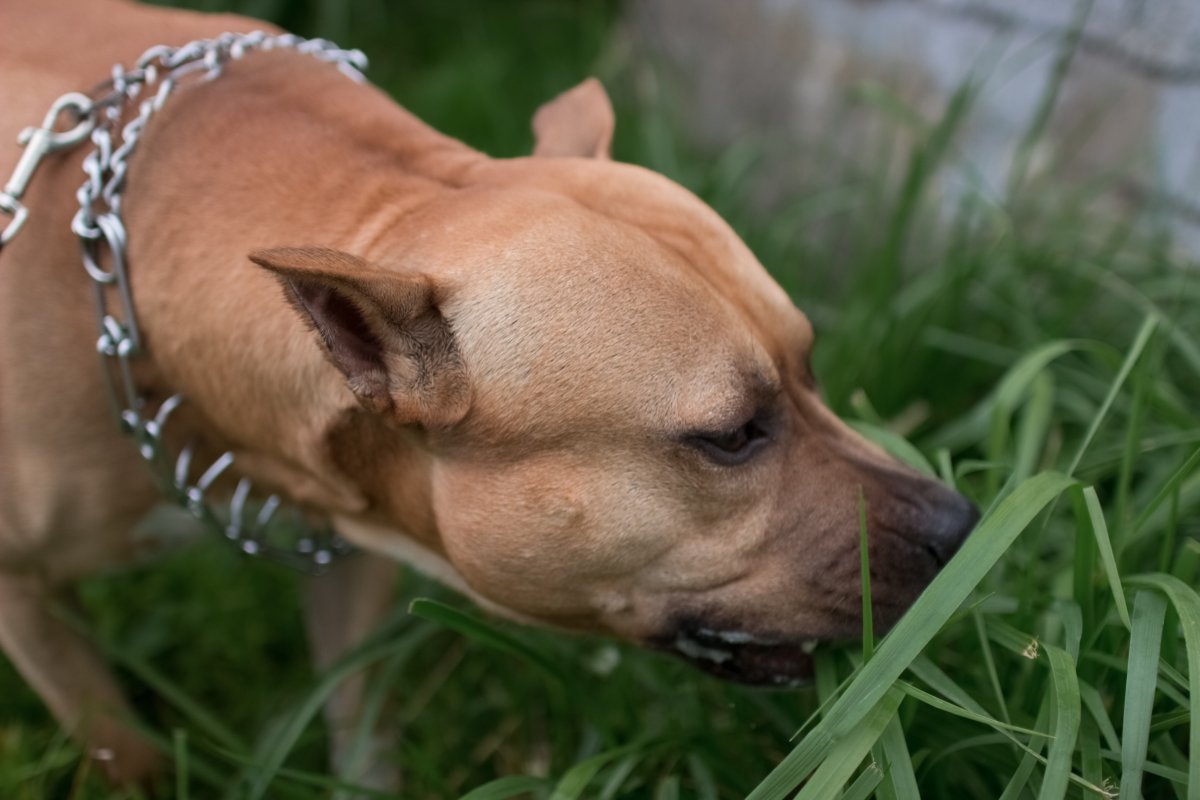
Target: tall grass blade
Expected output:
[1066,724]
[864,549]
[180,752]
[932,610]
[900,767]
[1083,562]
[618,776]
[1173,774]
[989,663]
[1187,607]
[865,784]
[298,777]
[1187,347]
[1020,778]
[933,675]
[702,779]
[1149,615]
[479,630]
[848,752]
[578,777]
[1135,352]
[1090,763]
[327,784]
[1034,426]
[1072,622]
[1105,549]
[1168,757]
[896,445]
[946,468]
[1170,720]
[506,787]
[973,426]
[363,747]
[274,750]
[194,711]
[668,788]
[1168,489]
[957,710]
[1094,703]
[1187,563]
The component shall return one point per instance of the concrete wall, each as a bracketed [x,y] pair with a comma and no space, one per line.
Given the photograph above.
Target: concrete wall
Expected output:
[1129,109]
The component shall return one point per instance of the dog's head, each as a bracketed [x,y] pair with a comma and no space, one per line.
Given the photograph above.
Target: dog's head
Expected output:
[581,395]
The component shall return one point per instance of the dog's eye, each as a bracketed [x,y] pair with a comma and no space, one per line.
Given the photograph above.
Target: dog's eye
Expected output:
[730,448]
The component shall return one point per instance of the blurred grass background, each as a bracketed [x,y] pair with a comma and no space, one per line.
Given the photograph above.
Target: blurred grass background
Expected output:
[991,336]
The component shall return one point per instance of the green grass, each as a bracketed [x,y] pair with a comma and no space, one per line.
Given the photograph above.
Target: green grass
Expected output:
[1041,354]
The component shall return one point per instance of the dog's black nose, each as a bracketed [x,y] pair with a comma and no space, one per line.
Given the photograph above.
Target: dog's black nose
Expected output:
[920,509]
[948,518]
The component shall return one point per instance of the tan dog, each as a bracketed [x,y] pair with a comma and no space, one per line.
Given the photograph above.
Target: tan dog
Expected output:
[562,383]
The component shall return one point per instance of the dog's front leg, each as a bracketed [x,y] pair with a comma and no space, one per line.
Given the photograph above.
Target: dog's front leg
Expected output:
[72,679]
[342,608]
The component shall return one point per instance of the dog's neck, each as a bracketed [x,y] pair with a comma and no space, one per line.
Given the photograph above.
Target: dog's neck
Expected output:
[218,328]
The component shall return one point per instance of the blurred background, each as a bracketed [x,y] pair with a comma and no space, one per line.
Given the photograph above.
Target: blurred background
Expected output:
[944,186]
[1111,88]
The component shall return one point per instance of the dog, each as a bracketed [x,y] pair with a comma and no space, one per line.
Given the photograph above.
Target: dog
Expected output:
[560,383]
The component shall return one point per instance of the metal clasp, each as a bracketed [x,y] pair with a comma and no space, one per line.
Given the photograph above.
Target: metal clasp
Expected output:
[38,143]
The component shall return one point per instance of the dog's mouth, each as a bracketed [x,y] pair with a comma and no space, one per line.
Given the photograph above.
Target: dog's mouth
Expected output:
[741,656]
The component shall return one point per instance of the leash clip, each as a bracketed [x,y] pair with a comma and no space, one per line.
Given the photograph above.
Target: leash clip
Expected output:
[39,143]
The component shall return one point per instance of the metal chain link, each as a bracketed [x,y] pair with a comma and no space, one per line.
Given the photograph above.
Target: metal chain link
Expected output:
[100,227]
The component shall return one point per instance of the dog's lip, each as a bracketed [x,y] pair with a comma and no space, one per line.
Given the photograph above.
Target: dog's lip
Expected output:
[745,657]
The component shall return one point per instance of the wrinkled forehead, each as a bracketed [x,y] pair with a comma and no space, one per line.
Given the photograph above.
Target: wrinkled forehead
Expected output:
[570,311]
[669,214]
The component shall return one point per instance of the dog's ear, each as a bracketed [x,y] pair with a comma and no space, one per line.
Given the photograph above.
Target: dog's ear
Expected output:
[579,122]
[384,330]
